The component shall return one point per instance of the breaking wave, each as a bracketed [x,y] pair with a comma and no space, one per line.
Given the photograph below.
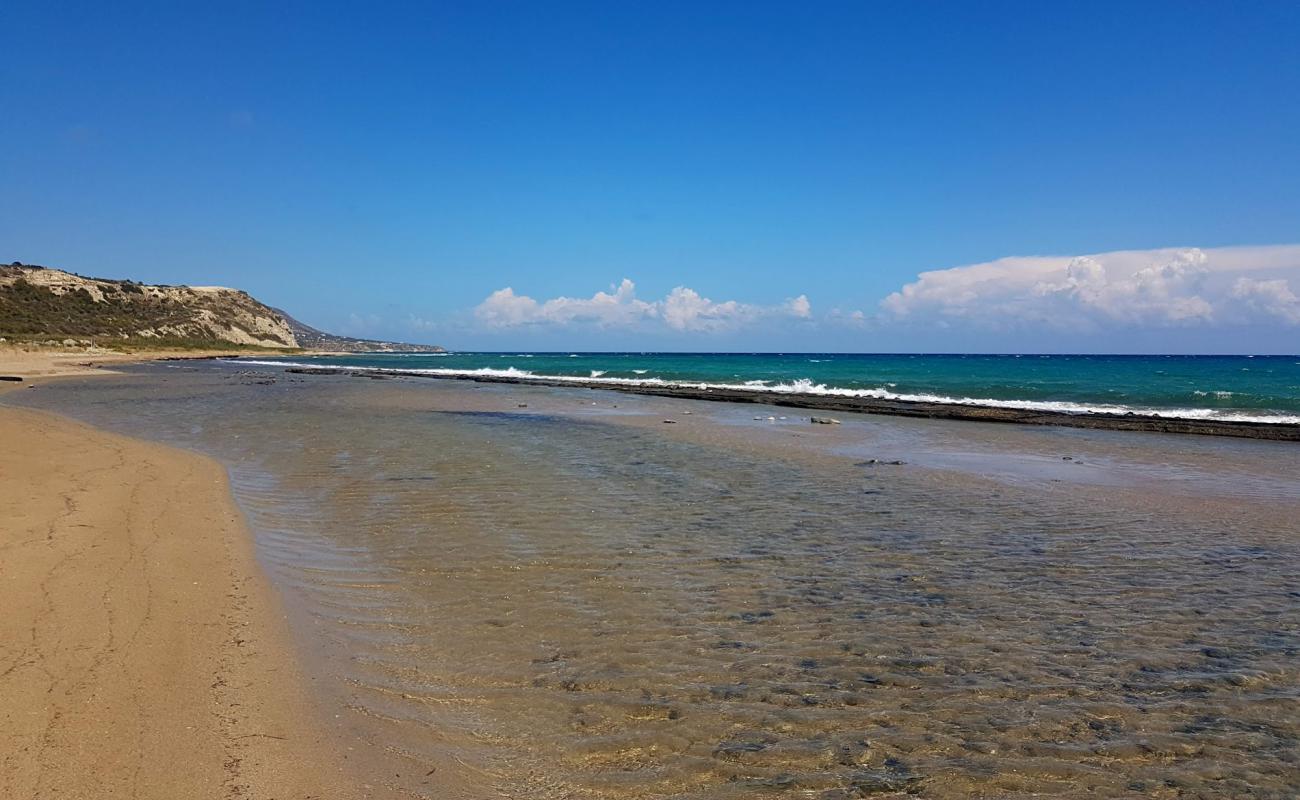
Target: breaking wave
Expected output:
[807,386]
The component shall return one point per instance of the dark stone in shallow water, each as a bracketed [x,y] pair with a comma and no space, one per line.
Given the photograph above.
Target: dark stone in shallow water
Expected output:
[326,371]
[743,749]
[894,778]
[733,691]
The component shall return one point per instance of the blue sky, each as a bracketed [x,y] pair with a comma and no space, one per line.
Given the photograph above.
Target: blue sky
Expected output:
[766,175]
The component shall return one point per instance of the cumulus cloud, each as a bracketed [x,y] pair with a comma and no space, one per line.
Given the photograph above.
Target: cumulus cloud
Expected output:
[799,307]
[1171,287]
[1270,298]
[505,309]
[683,309]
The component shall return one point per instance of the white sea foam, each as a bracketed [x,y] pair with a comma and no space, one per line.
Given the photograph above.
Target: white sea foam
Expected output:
[640,371]
[806,386]
[596,373]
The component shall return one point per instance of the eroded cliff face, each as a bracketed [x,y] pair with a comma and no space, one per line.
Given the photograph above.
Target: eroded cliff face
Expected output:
[39,301]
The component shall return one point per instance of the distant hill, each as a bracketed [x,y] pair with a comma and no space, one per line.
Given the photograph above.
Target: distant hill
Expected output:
[40,302]
[314,339]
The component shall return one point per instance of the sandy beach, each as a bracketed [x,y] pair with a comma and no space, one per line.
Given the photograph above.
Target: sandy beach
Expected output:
[629,402]
[530,591]
[142,653]
[36,363]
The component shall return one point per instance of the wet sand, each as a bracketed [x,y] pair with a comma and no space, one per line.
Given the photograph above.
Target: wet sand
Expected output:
[550,593]
[142,653]
[31,363]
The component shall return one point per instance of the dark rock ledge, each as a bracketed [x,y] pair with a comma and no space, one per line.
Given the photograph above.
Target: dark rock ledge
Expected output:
[870,405]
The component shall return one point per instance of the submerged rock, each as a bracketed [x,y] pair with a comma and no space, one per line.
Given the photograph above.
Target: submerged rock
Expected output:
[894,778]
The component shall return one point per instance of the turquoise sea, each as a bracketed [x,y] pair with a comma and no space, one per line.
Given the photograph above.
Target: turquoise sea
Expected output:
[1261,388]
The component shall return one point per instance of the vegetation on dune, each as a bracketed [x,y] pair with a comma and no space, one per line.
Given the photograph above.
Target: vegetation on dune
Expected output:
[28,310]
[136,344]
[142,344]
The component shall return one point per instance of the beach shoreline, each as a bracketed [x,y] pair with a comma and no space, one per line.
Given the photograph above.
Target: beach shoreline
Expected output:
[143,651]
[870,405]
[32,363]
[472,621]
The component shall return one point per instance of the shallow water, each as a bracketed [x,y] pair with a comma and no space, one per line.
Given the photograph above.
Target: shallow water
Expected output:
[1252,388]
[555,604]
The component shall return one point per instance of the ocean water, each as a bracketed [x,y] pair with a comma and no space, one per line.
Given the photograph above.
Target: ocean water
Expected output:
[573,600]
[1249,388]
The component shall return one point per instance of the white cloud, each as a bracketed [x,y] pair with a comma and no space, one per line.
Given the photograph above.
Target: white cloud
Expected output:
[1169,294]
[683,309]
[1271,298]
[1172,287]
[504,309]
[853,318]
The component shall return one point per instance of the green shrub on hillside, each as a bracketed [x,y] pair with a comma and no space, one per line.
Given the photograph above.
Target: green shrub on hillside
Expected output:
[28,310]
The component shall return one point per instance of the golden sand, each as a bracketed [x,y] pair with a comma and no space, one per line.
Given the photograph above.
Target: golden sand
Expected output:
[142,653]
[32,362]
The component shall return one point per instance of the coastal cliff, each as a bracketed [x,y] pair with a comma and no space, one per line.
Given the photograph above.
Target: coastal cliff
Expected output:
[44,303]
